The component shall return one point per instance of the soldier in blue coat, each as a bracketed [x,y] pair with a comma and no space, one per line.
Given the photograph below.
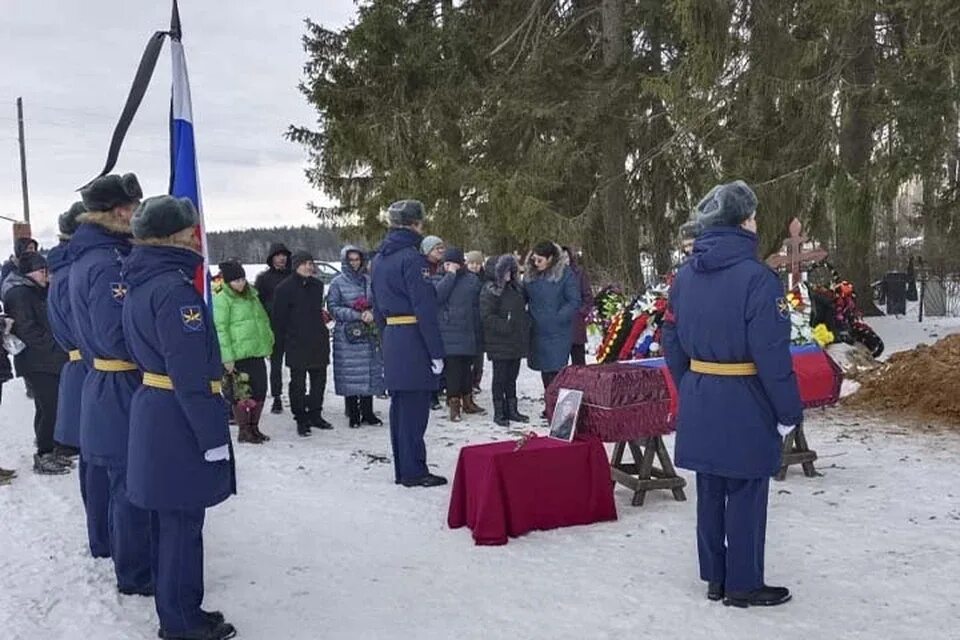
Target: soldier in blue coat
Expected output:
[96,302]
[727,344]
[180,450]
[93,479]
[405,306]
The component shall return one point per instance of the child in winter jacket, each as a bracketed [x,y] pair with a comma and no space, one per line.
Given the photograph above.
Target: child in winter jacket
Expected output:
[246,339]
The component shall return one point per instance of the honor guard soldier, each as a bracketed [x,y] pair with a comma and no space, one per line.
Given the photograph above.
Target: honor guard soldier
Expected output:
[405,305]
[180,453]
[96,302]
[727,344]
[67,431]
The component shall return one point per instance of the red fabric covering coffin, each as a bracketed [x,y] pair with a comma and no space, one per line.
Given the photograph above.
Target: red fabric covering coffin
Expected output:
[632,400]
[499,492]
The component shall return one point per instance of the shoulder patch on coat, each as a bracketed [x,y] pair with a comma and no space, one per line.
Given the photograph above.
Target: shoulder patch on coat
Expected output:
[118,291]
[783,308]
[192,318]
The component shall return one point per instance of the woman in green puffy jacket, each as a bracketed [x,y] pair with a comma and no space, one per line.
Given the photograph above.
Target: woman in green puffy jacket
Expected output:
[246,339]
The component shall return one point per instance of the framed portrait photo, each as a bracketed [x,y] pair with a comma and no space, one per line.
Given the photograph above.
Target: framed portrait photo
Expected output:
[563,426]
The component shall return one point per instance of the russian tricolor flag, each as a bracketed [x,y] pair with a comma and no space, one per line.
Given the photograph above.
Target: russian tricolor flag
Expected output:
[184,175]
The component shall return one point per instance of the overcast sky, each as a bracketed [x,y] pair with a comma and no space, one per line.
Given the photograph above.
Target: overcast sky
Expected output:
[72,61]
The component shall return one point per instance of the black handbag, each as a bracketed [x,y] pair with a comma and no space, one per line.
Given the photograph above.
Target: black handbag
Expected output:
[356,332]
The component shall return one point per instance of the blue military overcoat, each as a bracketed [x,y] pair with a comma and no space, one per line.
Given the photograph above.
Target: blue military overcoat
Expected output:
[402,287]
[170,332]
[728,307]
[61,324]
[96,302]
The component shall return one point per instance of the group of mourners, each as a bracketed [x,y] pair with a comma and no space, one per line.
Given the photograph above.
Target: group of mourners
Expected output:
[125,362]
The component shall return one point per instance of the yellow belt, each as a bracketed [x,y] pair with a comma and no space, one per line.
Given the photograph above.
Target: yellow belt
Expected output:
[723,368]
[113,366]
[160,381]
[75,355]
[401,320]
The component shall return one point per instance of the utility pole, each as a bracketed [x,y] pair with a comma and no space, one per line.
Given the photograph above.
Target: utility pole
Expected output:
[23,163]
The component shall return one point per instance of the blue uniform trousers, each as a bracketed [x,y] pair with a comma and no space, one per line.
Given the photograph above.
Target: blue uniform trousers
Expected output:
[130,537]
[731,530]
[179,592]
[95,492]
[409,413]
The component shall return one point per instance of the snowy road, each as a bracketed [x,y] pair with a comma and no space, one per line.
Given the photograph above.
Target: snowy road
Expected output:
[321,544]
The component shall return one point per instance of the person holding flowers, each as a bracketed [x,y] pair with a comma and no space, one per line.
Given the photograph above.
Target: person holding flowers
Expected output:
[357,358]
[246,340]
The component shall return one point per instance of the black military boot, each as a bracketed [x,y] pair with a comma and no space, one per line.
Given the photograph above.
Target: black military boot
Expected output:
[763,597]
[317,421]
[277,407]
[714,591]
[211,631]
[513,413]
[303,428]
[500,412]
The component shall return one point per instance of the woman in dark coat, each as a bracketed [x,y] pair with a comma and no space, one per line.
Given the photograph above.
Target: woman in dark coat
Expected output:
[578,353]
[357,358]
[506,337]
[553,297]
[458,296]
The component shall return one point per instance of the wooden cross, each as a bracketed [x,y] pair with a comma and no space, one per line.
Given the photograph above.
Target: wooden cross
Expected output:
[796,256]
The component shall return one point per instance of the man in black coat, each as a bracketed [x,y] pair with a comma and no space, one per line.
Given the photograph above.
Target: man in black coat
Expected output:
[298,323]
[20,247]
[278,263]
[25,301]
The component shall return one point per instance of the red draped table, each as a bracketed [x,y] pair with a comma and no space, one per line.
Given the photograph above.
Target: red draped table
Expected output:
[501,492]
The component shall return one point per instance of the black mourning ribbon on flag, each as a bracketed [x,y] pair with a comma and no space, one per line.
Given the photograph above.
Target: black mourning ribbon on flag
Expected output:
[140,84]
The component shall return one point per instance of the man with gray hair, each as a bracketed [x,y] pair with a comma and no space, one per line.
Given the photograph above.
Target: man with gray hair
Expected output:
[405,307]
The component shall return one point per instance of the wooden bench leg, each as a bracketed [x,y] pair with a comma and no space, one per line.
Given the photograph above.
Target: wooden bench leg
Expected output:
[666,464]
[797,451]
[643,452]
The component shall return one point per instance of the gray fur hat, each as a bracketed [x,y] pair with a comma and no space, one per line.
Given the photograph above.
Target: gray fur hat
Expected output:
[691,230]
[68,222]
[163,216]
[405,212]
[727,205]
[107,192]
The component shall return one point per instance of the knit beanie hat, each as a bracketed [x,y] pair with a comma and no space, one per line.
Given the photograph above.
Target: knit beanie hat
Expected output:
[299,258]
[474,257]
[30,262]
[453,254]
[232,270]
[429,244]
[727,205]
[163,216]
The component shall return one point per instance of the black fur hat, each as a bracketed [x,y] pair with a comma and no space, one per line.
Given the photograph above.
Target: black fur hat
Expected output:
[68,219]
[163,216]
[30,262]
[107,192]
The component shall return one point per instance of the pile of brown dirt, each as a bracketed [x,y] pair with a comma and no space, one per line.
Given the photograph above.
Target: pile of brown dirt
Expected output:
[924,382]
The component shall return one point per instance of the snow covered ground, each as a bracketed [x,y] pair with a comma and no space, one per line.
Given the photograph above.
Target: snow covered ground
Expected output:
[321,544]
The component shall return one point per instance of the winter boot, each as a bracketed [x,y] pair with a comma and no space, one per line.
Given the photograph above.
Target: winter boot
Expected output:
[303,428]
[353,411]
[500,412]
[367,416]
[277,407]
[255,422]
[763,597]
[244,430]
[47,465]
[435,402]
[212,630]
[317,421]
[471,407]
[454,403]
[513,414]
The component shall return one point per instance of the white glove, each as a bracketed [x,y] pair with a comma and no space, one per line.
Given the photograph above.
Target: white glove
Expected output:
[785,429]
[217,454]
[437,367]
